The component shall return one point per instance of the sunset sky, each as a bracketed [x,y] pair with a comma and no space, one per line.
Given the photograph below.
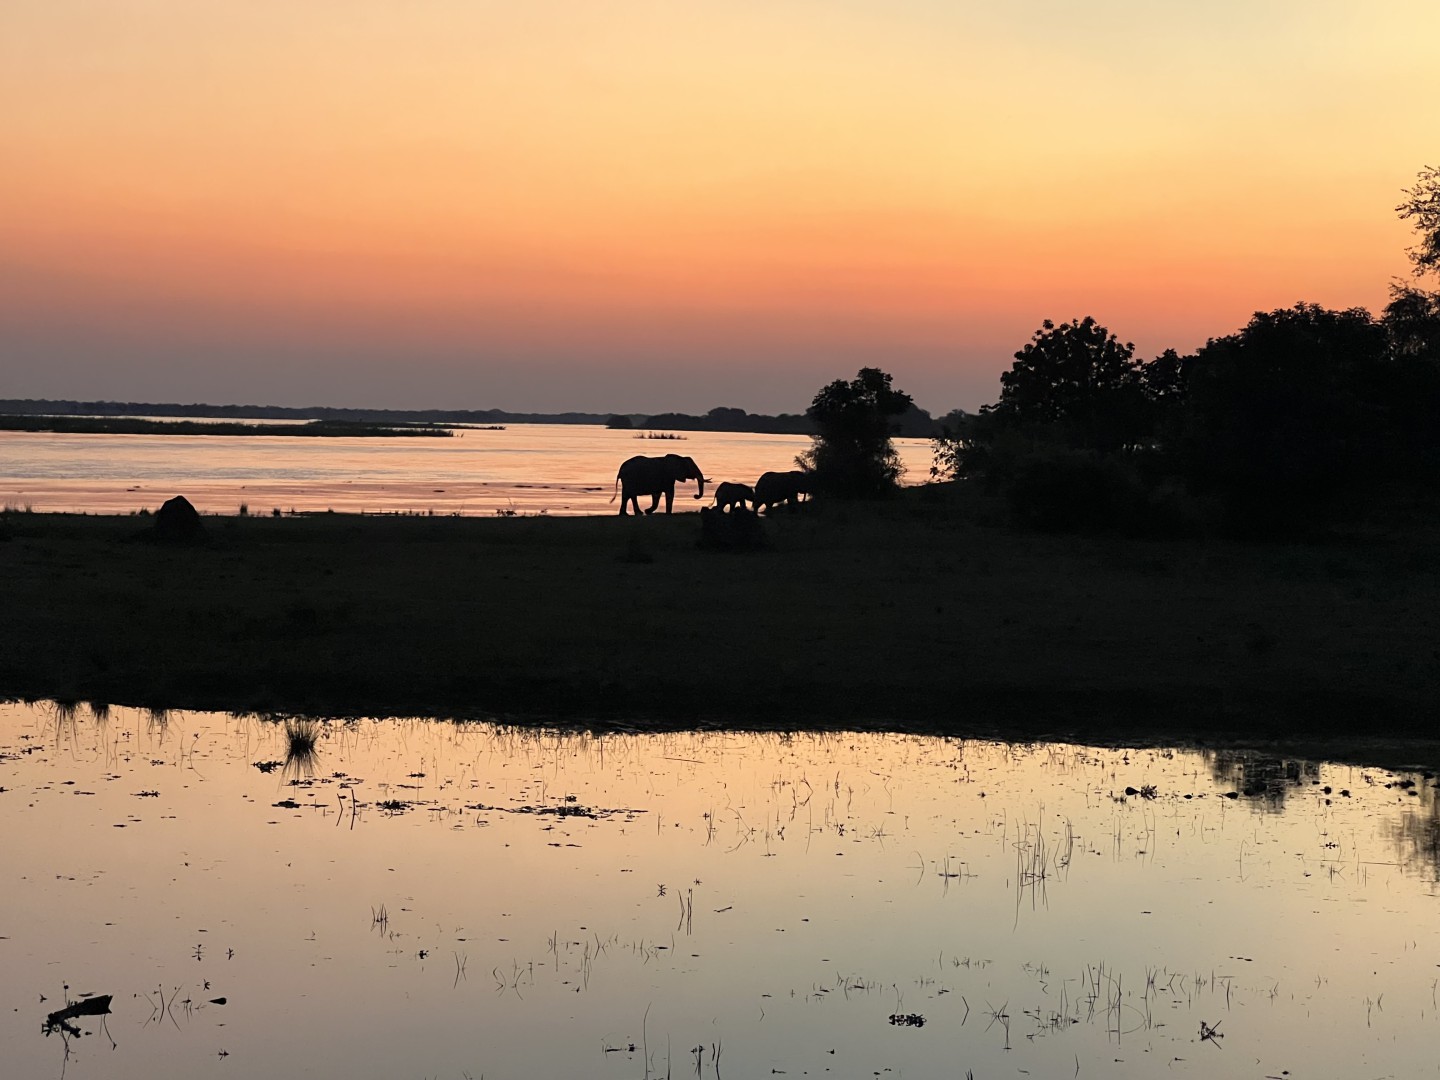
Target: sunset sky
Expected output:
[630,205]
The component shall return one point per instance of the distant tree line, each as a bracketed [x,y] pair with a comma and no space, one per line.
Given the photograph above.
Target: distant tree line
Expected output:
[51,407]
[914,422]
[130,425]
[1303,417]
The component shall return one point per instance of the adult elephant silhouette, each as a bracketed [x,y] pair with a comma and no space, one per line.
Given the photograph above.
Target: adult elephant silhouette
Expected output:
[655,477]
[781,487]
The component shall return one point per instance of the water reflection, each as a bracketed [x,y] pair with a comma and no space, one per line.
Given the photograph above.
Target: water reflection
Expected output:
[302,757]
[470,899]
[1256,776]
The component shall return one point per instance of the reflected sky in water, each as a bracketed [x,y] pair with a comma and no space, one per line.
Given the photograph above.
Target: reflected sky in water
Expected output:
[420,899]
[528,468]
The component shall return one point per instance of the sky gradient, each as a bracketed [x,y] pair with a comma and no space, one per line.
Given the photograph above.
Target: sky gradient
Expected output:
[642,206]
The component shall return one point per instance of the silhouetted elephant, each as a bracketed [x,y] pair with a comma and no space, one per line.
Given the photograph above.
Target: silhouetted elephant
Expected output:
[781,487]
[655,477]
[728,496]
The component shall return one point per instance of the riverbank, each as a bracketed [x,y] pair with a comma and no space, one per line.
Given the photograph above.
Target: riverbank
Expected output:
[906,616]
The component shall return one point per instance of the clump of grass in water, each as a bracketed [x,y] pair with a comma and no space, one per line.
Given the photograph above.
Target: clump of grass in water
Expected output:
[301,756]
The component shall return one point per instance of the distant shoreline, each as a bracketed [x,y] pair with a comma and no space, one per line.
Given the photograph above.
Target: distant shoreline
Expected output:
[916,424]
[130,425]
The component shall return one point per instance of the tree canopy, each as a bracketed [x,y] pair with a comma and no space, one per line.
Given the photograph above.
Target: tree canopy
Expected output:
[851,455]
[1304,416]
[1421,205]
[1079,379]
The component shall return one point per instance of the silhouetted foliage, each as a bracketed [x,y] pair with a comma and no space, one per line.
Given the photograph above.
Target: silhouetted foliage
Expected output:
[915,423]
[730,419]
[1421,205]
[1062,489]
[1412,320]
[1165,378]
[1072,387]
[620,422]
[1284,415]
[1079,380]
[852,456]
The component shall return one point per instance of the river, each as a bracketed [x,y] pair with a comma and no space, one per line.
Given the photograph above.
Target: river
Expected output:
[526,468]
[408,898]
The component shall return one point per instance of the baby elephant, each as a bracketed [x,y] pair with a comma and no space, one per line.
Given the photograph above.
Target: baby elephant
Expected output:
[728,496]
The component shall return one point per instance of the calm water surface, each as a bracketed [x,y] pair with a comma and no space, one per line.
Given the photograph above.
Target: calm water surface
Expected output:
[528,468]
[426,900]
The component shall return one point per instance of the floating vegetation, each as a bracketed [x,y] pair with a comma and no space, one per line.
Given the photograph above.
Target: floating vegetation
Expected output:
[98,1005]
[563,810]
[907,1020]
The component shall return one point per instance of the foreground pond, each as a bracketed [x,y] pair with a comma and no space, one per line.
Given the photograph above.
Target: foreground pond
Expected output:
[420,899]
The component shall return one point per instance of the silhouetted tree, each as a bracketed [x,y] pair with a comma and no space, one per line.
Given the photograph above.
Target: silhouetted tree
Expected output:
[1072,387]
[620,422]
[1078,380]
[1165,378]
[1422,206]
[915,423]
[1412,320]
[1285,415]
[852,456]
[954,418]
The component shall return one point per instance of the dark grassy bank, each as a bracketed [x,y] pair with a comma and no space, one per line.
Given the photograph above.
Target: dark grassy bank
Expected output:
[901,615]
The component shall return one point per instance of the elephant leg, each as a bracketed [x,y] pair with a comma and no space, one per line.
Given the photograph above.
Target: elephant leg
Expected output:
[669,497]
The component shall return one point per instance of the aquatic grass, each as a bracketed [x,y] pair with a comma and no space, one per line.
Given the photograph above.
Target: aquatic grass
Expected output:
[302,735]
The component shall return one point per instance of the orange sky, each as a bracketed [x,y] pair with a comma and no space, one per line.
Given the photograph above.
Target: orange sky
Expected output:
[570,204]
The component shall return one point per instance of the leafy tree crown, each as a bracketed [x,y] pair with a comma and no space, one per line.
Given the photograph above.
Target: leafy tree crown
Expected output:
[852,455]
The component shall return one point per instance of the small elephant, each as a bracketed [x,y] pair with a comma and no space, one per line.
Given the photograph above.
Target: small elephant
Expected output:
[781,487]
[728,496]
[655,477]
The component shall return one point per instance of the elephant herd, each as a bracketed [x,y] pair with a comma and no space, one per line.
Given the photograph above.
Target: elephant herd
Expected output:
[658,476]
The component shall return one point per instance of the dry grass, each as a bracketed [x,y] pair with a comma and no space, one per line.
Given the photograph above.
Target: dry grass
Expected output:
[905,615]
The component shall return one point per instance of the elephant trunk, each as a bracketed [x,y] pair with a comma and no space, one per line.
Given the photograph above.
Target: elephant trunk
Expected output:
[700,482]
